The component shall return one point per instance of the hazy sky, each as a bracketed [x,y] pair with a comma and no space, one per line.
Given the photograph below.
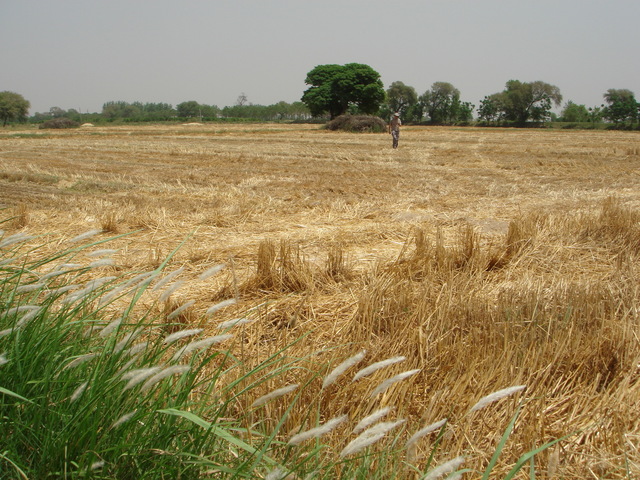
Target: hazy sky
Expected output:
[82,53]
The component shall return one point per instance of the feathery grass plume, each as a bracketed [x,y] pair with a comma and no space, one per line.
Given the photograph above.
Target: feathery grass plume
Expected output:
[27,317]
[371,419]
[8,261]
[78,392]
[22,308]
[233,323]
[102,252]
[377,366]
[103,262]
[59,291]
[89,287]
[382,427]
[68,267]
[369,437]
[200,344]
[84,236]
[225,303]
[275,394]
[127,365]
[16,238]
[180,309]
[30,288]
[106,299]
[126,340]
[141,277]
[54,273]
[277,473]
[32,312]
[390,381]
[360,443]
[209,272]
[445,469]
[106,331]
[123,419]
[167,372]
[169,291]
[425,431]
[495,396]
[174,337]
[97,465]
[138,376]
[136,349]
[3,359]
[167,278]
[343,367]
[79,360]
[317,431]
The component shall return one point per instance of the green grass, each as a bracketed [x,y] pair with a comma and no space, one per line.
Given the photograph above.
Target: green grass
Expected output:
[80,395]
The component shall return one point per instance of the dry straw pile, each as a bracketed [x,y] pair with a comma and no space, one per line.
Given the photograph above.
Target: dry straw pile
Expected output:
[469,260]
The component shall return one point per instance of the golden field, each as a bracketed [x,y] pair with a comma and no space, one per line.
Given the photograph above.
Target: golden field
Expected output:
[488,258]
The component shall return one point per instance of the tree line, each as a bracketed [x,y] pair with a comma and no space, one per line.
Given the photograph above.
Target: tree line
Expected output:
[354,88]
[120,111]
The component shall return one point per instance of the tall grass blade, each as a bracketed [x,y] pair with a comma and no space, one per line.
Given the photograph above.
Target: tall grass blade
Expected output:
[15,395]
[215,430]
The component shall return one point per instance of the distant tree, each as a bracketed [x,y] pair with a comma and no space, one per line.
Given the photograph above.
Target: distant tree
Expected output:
[622,106]
[13,107]
[442,103]
[155,112]
[113,110]
[242,99]
[573,112]
[523,101]
[401,97]
[209,112]
[465,112]
[188,109]
[335,89]
[490,109]
[57,112]
[595,114]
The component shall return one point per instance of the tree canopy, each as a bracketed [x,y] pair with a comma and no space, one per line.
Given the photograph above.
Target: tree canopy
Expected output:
[13,107]
[335,89]
[401,97]
[520,102]
[573,112]
[442,104]
[621,106]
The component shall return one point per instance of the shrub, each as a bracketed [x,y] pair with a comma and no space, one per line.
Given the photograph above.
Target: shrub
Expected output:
[61,122]
[357,123]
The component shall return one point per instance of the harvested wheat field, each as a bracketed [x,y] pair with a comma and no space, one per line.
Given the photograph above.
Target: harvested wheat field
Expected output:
[488,258]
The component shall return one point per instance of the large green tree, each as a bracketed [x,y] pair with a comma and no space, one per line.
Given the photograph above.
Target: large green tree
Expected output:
[524,101]
[190,109]
[13,107]
[573,112]
[442,104]
[401,97]
[335,89]
[622,106]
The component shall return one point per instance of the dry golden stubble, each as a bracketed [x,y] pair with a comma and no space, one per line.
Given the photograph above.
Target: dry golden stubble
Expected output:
[549,301]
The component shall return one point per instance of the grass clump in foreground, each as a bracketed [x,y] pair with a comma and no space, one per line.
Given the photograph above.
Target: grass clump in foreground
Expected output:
[94,383]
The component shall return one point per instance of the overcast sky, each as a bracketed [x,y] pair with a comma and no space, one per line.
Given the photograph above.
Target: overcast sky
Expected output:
[82,53]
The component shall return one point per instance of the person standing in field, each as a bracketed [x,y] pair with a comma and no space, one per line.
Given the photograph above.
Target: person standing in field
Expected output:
[394,128]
